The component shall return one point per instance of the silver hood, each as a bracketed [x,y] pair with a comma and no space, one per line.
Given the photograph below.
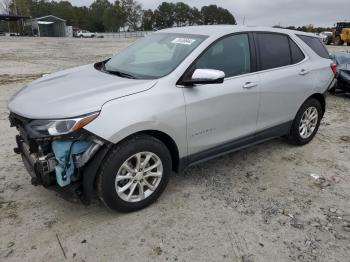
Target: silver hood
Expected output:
[72,93]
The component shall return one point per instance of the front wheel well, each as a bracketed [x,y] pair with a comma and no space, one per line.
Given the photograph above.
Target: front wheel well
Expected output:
[167,141]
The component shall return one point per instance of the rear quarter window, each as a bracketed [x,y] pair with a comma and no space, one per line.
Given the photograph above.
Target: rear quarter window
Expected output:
[316,45]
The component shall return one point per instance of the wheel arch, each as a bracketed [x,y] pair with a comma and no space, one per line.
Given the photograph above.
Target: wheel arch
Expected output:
[168,141]
[164,137]
[92,167]
[321,98]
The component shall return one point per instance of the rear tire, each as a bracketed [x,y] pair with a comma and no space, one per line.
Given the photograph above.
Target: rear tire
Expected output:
[306,122]
[125,167]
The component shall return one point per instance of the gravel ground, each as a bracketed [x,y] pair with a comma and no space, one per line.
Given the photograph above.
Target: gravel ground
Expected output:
[260,204]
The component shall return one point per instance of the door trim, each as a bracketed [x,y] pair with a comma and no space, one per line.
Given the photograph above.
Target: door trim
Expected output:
[235,145]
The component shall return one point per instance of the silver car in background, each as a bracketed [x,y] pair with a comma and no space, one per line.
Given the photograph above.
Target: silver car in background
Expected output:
[170,100]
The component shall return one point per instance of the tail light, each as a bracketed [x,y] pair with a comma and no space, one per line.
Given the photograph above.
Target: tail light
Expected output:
[334,67]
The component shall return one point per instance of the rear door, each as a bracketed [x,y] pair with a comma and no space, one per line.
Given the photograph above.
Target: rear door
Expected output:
[286,79]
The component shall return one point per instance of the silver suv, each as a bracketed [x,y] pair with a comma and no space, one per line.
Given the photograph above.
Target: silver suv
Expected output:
[172,99]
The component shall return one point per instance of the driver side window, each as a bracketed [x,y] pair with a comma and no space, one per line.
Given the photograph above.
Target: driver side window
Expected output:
[230,55]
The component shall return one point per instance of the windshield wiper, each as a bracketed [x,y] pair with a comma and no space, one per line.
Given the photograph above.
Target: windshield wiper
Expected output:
[121,74]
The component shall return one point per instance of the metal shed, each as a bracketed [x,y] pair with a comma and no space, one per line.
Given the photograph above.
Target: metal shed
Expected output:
[49,26]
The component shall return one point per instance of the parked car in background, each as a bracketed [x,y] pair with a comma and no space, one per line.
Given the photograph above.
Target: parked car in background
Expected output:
[326,36]
[173,99]
[85,34]
[342,60]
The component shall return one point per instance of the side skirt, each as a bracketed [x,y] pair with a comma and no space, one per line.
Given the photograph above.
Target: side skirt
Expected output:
[235,145]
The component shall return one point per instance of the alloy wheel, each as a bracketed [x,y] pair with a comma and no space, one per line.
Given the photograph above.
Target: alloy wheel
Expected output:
[139,176]
[308,122]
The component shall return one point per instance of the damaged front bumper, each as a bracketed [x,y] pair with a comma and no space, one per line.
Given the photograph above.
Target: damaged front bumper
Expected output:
[62,163]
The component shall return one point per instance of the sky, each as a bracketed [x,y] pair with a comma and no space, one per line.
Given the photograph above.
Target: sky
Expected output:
[270,12]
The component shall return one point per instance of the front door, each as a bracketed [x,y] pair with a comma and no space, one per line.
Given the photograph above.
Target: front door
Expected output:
[219,114]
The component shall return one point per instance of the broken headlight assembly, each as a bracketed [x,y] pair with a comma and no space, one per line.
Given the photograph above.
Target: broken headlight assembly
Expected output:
[44,128]
[55,151]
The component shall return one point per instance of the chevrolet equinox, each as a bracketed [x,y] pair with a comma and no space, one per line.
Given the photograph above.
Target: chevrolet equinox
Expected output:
[120,127]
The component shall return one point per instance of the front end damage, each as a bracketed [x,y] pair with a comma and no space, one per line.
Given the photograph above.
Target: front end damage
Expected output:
[66,163]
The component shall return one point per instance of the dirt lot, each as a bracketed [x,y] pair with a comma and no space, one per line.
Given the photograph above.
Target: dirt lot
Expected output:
[259,204]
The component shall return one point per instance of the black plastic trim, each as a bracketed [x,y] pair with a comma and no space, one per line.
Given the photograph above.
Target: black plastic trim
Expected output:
[235,145]
[90,174]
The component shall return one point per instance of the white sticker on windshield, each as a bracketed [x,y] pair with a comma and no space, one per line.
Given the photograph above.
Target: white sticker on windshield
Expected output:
[183,41]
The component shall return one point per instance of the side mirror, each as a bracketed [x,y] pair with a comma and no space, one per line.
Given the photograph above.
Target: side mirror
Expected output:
[205,76]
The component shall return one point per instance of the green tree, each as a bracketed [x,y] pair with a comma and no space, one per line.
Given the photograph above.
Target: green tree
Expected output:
[213,15]
[81,17]
[95,16]
[102,15]
[133,13]
[40,8]
[113,18]
[20,7]
[147,20]
[164,15]
[196,17]
[182,14]
[64,10]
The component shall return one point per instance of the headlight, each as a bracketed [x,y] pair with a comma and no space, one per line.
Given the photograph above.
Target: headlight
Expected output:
[60,126]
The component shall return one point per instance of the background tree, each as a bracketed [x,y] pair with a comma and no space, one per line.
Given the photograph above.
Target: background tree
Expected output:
[182,14]
[147,20]
[113,18]
[133,13]
[213,15]
[102,15]
[20,7]
[40,8]
[196,17]
[164,15]
[225,17]
[64,10]
[81,15]
[95,15]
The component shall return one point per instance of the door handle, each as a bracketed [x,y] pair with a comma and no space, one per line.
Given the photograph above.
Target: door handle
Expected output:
[304,72]
[249,85]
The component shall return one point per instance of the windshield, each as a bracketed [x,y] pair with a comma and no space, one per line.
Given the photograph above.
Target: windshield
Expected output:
[153,56]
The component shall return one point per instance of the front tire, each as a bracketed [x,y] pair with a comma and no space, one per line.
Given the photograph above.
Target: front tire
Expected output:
[306,122]
[134,173]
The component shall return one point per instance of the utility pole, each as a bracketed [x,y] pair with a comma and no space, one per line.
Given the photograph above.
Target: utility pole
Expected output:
[244,20]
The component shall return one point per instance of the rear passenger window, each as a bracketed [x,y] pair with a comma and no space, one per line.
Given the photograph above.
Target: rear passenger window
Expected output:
[315,44]
[297,54]
[274,50]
